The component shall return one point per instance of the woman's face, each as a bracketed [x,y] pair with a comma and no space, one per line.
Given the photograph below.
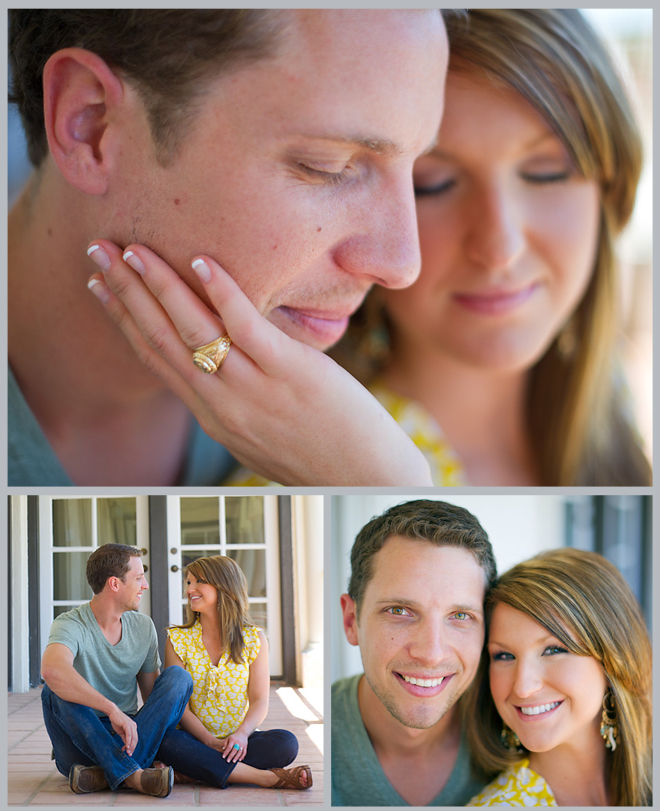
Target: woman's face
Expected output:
[508,232]
[202,596]
[545,694]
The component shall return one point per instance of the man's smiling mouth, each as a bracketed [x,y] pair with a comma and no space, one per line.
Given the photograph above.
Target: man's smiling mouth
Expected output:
[423,682]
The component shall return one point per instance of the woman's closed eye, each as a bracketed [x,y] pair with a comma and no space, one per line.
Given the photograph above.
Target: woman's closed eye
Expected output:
[428,190]
[543,178]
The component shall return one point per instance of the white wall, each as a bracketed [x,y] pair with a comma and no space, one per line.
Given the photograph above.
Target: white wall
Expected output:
[518,527]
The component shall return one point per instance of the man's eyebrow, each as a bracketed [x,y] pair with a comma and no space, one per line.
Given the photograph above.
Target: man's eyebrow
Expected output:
[404,601]
[379,146]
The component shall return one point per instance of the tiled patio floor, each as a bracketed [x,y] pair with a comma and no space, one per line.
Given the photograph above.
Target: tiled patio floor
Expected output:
[33,779]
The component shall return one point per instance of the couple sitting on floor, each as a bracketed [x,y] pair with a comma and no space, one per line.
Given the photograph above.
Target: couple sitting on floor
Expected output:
[217,694]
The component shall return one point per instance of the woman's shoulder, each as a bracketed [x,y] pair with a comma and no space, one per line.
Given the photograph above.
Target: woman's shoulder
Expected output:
[181,636]
[516,785]
[252,636]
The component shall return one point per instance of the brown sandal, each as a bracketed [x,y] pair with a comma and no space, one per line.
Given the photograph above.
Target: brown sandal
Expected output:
[290,778]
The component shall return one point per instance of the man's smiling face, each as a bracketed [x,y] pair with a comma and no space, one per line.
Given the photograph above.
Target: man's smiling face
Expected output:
[420,628]
[296,173]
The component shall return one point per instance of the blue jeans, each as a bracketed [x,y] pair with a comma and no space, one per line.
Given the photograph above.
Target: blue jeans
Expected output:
[79,735]
[266,750]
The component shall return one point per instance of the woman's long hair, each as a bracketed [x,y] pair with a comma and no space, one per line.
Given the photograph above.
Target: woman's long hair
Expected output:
[226,576]
[583,600]
[576,409]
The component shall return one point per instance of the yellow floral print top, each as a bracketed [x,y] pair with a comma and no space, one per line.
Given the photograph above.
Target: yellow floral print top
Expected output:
[517,785]
[446,467]
[219,698]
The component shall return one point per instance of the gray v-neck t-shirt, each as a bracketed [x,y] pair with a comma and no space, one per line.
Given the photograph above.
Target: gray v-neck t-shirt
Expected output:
[357,776]
[110,669]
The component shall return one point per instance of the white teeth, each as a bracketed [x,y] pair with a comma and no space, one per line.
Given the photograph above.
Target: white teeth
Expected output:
[423,682]
[541,708]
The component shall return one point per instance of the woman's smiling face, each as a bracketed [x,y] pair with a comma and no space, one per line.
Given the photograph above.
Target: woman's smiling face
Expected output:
[547,695]
[508,232]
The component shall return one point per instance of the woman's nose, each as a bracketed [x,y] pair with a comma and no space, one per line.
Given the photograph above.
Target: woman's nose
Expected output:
[497,236]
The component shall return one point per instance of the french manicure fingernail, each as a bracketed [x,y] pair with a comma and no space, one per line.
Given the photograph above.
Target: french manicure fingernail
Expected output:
[202,270]
[99,256]
[99,290]
[135,262]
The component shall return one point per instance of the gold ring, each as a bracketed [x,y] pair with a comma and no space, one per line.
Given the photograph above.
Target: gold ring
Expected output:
[209,358]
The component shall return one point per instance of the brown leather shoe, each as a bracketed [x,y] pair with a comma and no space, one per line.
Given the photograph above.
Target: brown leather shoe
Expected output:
[85,779]
[157,782]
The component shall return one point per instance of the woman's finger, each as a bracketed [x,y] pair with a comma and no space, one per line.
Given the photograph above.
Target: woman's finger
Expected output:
[194,321]
[155,325]
[256,336]
[141,293]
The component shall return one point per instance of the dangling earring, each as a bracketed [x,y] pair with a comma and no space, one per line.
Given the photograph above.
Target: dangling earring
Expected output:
[609,726]
[375,340]
[510,740]
[567,340]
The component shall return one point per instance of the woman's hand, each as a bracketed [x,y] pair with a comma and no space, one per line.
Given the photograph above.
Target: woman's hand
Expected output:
[283,409]
[237,739]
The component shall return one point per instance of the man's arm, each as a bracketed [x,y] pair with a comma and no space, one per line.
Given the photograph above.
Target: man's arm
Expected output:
[146,682]
[58,672]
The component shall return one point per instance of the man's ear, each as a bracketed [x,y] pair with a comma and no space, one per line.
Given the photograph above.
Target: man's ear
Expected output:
[349,610]
[113,583]
[82,97]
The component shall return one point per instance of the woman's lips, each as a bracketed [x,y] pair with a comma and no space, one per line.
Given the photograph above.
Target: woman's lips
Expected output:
[541,711]
[495,302]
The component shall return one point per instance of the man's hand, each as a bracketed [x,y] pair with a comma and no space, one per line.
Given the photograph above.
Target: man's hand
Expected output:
[230,753]
[126,728]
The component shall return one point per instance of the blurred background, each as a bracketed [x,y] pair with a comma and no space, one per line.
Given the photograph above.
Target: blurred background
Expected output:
[519,527]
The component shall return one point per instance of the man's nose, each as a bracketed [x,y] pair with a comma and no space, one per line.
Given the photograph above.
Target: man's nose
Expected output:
[428,644]
[383,242]
[496,236]
[145,585]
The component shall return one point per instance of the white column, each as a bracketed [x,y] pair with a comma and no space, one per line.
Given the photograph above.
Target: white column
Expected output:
[20,636]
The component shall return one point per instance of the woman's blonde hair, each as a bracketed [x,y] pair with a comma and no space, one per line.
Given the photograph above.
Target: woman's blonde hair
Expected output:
[583,600]
[576,408]
[227,578]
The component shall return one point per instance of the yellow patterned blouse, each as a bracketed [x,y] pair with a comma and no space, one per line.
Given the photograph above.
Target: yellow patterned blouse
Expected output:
[219,698]
[446,467]
[517,785]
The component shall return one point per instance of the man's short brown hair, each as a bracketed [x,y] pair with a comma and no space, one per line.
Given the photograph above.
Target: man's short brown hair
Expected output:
[436,522]
[109,560]
[167,55]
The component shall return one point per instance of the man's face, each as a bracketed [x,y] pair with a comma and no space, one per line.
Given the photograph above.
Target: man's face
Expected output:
[132,585]
[296,175]
[420,629]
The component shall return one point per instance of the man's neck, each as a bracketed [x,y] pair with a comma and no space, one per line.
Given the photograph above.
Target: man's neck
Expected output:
[108,616]
[417,762]
[81,379]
